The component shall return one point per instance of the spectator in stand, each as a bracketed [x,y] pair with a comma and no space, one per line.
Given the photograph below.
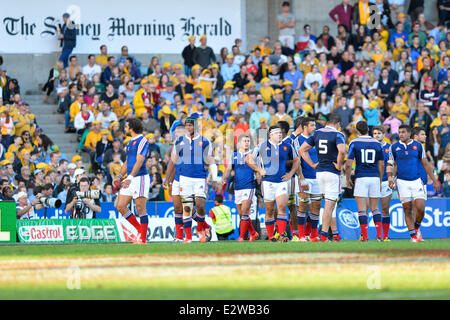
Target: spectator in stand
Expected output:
[91,69]
[107,72]
[106,116]
[83,117]
[204,55]
[229,69]
[327,40]
[286,26]
[102,58]
[73,70]
[188,55]
[293,75]
[307,41]
[109,95]
[183,87]
[53,76]
[124,55]
[132,70]
[68,36]
[342,14]
[421,118]
[430,96]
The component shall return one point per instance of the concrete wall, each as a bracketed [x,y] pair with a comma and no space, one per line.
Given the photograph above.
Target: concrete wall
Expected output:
[32,69]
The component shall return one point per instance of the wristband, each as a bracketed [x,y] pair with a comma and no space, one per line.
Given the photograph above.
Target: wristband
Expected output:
[119,176]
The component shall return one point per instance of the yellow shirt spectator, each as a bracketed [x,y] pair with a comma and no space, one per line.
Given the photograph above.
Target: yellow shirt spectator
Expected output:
[267,93]
[402,111]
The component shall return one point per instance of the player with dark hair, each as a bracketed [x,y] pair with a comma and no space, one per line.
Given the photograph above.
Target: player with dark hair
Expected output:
[386,192]
[195,152]
[137,183]
[244,186]
[173,180]
[368,155]
[309,187]
[273,155]
[292,186]
[330,146]
[406,157]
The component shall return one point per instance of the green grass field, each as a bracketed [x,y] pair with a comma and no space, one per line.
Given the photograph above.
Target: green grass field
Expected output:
[227,270]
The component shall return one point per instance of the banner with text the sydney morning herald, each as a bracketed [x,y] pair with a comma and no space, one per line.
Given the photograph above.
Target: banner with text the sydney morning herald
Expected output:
[143,26]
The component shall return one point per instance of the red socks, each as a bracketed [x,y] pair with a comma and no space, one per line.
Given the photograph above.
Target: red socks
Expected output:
[245,221]
[132,219]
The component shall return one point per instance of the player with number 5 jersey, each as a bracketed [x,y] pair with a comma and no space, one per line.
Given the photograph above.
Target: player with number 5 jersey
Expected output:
[330,146]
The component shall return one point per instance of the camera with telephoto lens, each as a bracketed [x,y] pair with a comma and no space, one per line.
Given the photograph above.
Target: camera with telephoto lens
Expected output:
[50,202]
[90,194]
[80,209]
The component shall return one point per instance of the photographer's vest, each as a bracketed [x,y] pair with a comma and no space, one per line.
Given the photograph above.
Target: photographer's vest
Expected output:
[223,219]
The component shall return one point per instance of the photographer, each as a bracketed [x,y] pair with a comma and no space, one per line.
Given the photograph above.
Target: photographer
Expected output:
[81,207]
[24,209]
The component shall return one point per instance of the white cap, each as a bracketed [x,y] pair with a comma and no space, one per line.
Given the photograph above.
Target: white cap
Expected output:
[72,166]
[78,172]
[21,194]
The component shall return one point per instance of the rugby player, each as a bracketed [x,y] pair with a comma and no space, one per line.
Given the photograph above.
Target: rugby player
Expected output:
[173,182]
[369,170]
[293,187]
[386,192]
[196,152]
[309,187]
[418,134]
[273,155]
[137,183]
[330,146]
[406,157]
[244,187]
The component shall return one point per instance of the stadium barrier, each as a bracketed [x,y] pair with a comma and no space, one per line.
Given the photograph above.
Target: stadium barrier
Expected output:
[7,221]
[436,223]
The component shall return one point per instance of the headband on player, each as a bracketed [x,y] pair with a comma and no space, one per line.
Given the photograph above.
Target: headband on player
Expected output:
[275,130]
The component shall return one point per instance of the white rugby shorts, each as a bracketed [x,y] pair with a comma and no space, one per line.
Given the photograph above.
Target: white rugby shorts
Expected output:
[175,188]
[138,188]
[329,184]
[272,190]
[410,190]
[192,187]
[313,186]
[244,194]
[367,187]
[385,190]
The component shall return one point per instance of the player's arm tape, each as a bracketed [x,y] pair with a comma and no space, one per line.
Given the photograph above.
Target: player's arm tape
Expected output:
[390,163]
[213,168]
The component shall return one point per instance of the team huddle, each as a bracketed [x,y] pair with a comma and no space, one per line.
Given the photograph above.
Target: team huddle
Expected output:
[295,173]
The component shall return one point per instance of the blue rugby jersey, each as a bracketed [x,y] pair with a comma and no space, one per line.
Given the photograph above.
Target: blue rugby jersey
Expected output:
[193,154]
[386,147]
[326,141]
[244,176]
[308,171]
[367,152]
[137,145]
[408,158]
[273,159]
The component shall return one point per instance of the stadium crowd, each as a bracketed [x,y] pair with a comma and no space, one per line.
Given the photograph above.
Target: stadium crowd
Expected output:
[391,75]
